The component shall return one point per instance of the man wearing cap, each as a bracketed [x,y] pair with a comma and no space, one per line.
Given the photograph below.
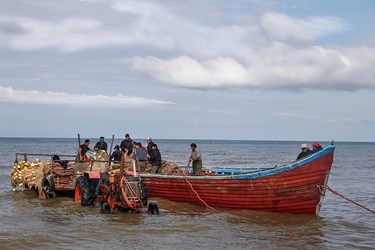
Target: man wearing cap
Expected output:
[316,147]
[101,144]
[149,144]
[305,151]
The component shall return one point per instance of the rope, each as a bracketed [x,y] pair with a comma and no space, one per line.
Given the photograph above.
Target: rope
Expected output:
[337,193]
[131,204]
[192,189]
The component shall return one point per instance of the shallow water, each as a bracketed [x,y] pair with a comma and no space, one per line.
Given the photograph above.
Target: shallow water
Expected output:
[31,223]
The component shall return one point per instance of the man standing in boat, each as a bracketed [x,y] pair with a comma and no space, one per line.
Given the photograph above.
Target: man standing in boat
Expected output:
[316,147]
[305,151]
[155,158]
[195,157]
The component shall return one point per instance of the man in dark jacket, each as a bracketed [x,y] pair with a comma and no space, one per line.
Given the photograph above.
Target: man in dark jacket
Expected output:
[316,147]
[149,144]
[116,155]
[127,145]
[83,148]
[305,151]
[155,158]
[101,144]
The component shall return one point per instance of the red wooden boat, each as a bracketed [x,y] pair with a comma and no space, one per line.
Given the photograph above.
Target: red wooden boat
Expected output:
[293,188]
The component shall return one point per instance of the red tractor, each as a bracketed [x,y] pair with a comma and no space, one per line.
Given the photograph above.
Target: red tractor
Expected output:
[116,189]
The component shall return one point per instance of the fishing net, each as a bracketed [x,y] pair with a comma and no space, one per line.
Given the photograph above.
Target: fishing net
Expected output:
[169,167]
[27,174]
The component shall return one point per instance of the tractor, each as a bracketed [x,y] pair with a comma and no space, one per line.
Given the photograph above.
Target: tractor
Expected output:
[124,191]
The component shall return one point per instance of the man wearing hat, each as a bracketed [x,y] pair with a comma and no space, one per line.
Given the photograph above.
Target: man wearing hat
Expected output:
[101,144]
[149,145]
[305,151]
[316,147]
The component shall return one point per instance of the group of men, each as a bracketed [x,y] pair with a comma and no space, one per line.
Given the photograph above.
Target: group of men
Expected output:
[151,153]
[305,151]
[142,155]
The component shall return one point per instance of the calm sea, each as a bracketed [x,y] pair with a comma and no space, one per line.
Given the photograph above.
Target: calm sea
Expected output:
[26,222]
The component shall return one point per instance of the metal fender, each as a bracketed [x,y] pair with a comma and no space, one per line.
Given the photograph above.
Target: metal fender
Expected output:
[92,175]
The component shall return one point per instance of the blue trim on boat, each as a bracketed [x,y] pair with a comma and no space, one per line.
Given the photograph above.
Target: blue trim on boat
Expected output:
[247,174]
[287,167]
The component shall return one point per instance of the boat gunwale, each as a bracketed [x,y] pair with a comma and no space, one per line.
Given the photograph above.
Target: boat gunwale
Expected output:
[246,176]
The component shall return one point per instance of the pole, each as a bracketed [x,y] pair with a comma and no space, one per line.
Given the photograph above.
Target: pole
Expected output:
[79,144]
[122,165]
[134,171]
[110,149]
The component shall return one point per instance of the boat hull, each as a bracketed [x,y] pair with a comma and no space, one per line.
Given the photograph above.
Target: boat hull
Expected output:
[291,188]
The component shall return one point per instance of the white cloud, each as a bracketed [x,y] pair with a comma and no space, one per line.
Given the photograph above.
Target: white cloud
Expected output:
[187,72]
[282,114]
[279,66]
[209,55]
[151,25]
[290,115]
[69,35]
[133,24]
[8,94]
[281,27]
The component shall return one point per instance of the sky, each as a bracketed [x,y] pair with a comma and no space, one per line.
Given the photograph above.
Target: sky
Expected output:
[215,69]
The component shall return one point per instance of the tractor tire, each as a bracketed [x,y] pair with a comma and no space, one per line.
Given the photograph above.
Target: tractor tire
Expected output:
[105,208]
[143,197]
[48,187]
[153,208]
[84,191]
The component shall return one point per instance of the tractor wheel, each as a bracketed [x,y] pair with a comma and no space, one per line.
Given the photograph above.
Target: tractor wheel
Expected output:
[143,197]
[153,208]
[105,208]
[84,191]
[48,187]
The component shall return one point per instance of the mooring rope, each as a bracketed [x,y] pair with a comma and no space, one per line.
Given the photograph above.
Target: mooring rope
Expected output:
[346,198]
[196,193]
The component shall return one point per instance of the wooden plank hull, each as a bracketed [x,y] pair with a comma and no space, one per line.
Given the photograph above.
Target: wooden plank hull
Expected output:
[291,188]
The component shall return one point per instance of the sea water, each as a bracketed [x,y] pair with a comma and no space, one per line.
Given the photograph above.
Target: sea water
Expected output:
[30,223]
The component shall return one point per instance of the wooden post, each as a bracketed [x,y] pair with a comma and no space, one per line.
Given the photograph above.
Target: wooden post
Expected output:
[122,165]
[110,149]
[79,144]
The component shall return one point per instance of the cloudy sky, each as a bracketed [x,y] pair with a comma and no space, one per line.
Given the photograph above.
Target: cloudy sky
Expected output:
[215,69]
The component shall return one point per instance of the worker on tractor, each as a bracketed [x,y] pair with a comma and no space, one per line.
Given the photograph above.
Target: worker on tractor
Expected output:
[101,144]
[83,149]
